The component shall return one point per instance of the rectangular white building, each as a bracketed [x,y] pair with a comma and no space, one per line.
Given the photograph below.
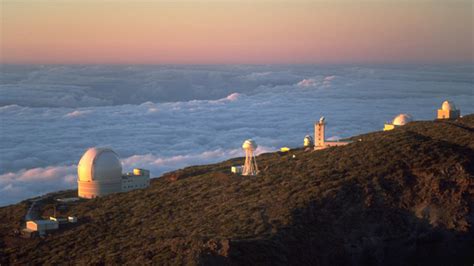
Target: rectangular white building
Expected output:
[236,169]
[42,225]
[139,178]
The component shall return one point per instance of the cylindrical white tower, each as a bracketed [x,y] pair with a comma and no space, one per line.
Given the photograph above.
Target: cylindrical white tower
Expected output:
[99,173]
[250,166]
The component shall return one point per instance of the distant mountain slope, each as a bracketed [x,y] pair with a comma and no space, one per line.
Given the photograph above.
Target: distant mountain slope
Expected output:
[394,198]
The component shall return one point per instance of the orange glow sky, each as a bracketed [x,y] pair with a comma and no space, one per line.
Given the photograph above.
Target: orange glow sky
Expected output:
[233,31]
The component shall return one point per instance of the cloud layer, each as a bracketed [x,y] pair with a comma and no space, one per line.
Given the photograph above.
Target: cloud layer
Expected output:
[164,118]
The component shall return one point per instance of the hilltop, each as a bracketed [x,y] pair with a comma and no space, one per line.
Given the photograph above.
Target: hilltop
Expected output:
[398,197]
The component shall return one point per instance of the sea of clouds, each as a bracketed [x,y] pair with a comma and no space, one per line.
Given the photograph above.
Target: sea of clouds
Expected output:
[167,117]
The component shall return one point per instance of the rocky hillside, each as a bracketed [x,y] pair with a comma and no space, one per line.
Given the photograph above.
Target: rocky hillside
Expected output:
[401,197]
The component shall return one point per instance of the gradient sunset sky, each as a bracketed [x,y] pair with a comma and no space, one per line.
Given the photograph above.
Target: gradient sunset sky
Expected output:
[236,31]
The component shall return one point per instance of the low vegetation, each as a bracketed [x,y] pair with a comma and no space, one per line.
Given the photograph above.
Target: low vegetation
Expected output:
[399,197]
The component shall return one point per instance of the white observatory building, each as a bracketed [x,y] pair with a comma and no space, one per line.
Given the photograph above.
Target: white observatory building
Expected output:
[448,111]
[399,120]
[307,141]
[320,141]
[100,173]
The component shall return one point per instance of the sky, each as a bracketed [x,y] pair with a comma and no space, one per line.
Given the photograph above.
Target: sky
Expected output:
[236,32]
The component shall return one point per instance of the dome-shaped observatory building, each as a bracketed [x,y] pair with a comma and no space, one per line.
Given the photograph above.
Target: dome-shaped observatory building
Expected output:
[399,120]
[99,173]
[448,111]
[402,119]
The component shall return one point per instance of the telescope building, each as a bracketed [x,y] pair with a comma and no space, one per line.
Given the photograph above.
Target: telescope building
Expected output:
[100,173]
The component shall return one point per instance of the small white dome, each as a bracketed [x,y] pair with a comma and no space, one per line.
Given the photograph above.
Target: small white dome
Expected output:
[99,164]
[308,141]
[448,106]
[249,144]
[402,119]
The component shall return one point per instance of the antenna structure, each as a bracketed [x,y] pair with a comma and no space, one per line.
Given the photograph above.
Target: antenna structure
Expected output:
[250,166]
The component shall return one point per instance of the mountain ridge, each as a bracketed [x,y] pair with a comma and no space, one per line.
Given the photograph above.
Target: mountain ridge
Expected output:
[398,197]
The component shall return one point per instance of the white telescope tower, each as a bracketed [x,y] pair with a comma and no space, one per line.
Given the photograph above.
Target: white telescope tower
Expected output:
[250,166]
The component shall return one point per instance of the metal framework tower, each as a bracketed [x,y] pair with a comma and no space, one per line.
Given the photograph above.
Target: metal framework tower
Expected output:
[250,166]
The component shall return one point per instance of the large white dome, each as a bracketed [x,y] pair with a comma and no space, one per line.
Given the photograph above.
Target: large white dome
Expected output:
[99,164]
[448,106]
[402,119]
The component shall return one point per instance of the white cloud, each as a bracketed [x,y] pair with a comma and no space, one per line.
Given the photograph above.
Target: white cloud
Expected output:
[334,138]
[168,117]
[78,113]
[16,186]
[233,96]
[308,83]
[329,78]
[317,82]
[48,95]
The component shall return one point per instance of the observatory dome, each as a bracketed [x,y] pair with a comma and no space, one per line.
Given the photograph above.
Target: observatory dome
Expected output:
[99,164]
[249,144]
[402,119]
[307,141]
[448,106]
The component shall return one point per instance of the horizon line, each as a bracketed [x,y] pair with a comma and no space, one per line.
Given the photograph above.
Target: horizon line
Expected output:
[236,64]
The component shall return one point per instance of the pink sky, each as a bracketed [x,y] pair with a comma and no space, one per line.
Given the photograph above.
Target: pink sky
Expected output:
[232,31]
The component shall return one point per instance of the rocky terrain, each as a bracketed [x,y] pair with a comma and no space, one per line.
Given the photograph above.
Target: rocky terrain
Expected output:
[402,197]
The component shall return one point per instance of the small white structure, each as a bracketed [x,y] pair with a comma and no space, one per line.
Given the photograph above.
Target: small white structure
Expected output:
[308,141]
[320,141]
[139,178]
[236,169]
[68,200]
[448,111]
[100,173]
[250,166]
[399,120]
[42,225]
[72,219]
[58,219]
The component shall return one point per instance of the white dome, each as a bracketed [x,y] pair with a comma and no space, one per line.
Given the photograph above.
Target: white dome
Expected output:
[99,164]
[308,141]
[249,144]
[402,119]
[448,106]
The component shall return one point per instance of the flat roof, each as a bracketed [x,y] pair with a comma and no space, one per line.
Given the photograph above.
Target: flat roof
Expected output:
[43,221]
